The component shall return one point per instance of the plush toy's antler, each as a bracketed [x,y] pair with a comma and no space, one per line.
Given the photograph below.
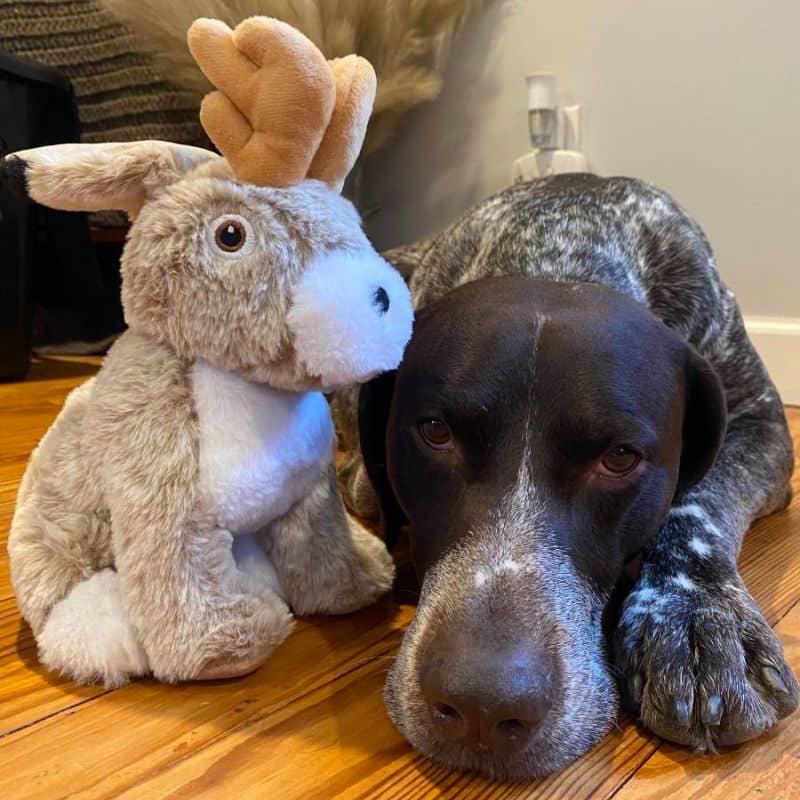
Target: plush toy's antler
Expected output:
[355,94]
[281,112]
[274,100]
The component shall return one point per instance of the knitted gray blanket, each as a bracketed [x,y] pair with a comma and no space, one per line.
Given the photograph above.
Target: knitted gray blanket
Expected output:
[120,94]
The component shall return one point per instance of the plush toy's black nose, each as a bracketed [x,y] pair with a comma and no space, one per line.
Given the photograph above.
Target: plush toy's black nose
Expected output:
[491,699]
[380,299]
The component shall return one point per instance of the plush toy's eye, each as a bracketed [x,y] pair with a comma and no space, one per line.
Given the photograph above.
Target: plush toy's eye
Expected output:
[231,236]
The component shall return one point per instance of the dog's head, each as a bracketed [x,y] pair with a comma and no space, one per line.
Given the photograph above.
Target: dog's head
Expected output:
[533,438]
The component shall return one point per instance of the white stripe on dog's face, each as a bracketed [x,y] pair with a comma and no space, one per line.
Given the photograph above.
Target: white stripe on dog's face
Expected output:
[512,563]
[485,574]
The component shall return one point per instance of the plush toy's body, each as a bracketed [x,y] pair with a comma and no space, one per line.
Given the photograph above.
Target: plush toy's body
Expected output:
[261,449]
[186,497]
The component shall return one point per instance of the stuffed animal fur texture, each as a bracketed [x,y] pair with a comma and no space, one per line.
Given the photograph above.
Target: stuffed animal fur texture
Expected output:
[406,41]
[185,499]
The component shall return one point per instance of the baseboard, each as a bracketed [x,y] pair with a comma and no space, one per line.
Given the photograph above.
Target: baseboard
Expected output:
[777,340]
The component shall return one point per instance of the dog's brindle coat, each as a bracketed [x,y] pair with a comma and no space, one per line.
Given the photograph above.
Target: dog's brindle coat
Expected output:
[518,532]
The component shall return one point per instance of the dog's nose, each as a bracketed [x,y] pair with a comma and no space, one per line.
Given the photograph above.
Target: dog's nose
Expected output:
[489,699]
[380,299]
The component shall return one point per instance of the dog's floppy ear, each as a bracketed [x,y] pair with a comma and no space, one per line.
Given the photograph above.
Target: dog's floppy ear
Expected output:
[99,177]
[704,422]
[374,405]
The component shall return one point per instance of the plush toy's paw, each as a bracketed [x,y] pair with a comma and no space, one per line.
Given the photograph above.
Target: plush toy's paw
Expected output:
[88,635]
[355,575]
[373,568]
[356,489]
[360,578]
[257,575]
[700,664]
[242,645]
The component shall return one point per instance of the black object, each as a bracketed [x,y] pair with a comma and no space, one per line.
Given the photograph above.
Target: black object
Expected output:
[53,286]
[36,107]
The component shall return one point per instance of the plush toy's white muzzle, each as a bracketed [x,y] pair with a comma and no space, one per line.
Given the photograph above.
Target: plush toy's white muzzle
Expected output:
[351,317]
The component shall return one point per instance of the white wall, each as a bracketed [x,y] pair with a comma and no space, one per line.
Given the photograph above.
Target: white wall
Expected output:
[700,97]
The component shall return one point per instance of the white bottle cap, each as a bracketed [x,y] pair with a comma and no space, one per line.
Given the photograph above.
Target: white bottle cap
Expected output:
[541,90]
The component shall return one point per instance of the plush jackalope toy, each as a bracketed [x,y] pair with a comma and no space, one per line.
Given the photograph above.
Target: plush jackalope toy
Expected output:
[185,498]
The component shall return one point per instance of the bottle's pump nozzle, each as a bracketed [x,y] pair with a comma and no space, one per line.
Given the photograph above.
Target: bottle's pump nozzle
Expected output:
[542,118]
[554,132]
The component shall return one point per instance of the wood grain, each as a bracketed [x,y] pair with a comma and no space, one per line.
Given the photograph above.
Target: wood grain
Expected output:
[311,723]
[144,727]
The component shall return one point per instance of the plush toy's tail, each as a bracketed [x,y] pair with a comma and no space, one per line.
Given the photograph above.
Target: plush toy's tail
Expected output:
[89,637]
[80,623]
[74,607]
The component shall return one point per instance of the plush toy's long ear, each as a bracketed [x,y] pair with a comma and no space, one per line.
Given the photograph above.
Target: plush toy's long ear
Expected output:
[355,94]
[704,422]
[374,405]
[99,177]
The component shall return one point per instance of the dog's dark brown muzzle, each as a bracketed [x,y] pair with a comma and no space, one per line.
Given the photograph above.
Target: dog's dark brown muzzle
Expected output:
[490,698]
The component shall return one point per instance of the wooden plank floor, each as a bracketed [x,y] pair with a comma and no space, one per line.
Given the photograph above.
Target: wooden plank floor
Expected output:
[310,723]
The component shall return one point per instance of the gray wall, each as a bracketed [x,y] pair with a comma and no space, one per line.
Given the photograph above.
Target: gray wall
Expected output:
[702,98]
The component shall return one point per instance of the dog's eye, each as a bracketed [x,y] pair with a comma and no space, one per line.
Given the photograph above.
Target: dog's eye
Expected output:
[619,462]
[435,433]
[230,236]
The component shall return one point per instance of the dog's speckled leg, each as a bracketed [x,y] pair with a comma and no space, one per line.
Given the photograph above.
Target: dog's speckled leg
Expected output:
[354,485]
[697,659]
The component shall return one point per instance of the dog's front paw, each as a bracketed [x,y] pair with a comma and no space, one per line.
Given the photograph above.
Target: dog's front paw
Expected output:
[699,663]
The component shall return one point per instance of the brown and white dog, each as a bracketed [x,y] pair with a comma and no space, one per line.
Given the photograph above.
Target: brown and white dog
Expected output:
[579,392]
